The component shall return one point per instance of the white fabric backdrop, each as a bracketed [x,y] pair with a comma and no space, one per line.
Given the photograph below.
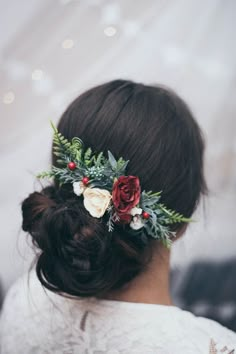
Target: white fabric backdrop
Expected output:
[50,51]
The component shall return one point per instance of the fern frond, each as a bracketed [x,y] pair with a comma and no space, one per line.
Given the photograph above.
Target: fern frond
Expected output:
[76,149]
[45,174]
[99,159]
[61,146]
[87,157]
[173,217]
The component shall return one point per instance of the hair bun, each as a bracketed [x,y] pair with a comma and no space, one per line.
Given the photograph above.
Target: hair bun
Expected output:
[78,255]
[34,206]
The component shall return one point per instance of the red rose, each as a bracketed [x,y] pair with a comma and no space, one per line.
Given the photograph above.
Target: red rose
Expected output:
[125,195]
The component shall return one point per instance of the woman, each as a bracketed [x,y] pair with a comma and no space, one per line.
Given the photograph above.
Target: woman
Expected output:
[103,236]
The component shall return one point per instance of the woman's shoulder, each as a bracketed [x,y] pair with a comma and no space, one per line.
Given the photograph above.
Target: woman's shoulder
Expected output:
[202,327]
[176,323]
[25,294]
[31,317]
[35,315]
[24,301]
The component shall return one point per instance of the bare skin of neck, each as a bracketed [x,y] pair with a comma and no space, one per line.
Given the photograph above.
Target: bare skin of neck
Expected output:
[151,286]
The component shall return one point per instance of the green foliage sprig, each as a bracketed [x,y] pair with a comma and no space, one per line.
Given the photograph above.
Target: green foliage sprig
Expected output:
[157,226]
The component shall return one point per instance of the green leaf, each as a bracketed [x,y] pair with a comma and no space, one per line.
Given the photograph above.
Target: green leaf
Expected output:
[99,159]
[112,160]
[61,162]
[173,217]
[87,156]
[45,174]
[53,127]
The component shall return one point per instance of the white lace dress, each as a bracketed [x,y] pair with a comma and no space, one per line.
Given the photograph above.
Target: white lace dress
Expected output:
[36,321]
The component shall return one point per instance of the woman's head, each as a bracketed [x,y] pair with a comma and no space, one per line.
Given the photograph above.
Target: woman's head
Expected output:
[152,128]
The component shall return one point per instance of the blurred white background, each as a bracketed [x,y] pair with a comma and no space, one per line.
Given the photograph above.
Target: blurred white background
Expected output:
[50,51]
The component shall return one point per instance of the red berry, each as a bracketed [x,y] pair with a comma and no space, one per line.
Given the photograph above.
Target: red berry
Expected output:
[145,215]
[71,166]
[85,180]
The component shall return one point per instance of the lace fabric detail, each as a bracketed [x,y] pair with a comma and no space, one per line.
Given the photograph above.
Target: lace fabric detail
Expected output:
[224,349]
[36,321]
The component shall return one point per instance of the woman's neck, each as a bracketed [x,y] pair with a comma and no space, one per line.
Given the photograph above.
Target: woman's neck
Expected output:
[152,285]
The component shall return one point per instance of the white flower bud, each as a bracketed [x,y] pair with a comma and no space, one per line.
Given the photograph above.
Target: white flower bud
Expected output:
[136,211]
[78,188]
[136,223]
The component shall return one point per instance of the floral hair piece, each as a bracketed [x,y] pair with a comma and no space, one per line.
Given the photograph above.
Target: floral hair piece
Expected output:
[107,190]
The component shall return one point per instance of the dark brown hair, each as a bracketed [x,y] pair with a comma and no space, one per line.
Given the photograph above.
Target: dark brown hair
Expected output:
[153,128]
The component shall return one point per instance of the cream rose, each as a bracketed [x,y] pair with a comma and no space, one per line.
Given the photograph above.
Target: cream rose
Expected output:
[96,201]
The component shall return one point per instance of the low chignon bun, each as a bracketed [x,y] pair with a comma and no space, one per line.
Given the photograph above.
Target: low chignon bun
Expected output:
[79,256]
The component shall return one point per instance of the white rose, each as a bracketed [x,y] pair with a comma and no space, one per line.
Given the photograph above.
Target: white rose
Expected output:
[136,211]
[78,188]
[136,223]
[96,201]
